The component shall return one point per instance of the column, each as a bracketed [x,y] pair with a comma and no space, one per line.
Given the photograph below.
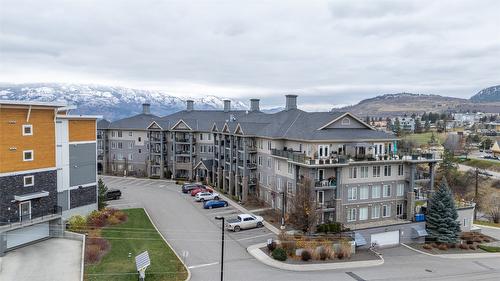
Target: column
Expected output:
[410,205]
[174,153]
[432,174]
[162,164]
[191,155]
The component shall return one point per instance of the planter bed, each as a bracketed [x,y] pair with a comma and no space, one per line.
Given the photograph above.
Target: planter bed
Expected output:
[360,255]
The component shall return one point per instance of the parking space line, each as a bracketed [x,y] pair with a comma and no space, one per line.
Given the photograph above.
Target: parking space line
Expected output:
[253,237]
[223,212]
[202,265]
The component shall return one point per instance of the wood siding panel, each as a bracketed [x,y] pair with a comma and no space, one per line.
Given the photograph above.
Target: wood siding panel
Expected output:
[82,130]
[42,142]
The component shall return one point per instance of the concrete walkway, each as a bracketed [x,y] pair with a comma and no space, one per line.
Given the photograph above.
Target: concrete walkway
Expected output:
[257,253]
[50,260]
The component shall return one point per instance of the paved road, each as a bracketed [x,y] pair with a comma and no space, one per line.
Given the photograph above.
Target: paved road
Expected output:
[465,168]
[191,229]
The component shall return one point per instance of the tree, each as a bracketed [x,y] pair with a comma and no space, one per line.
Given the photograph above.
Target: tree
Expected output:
[418,126]
[491,205]
[101,200]
[442,215]
[487,143]
[303,213]
[447,167]
[397,127]
[427,126]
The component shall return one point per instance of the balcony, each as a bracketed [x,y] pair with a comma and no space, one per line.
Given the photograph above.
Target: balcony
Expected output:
[252,181]
[329,183]
[182,152]
[327,205]
[184,140]
[422,176]
[36,216]
[252,166]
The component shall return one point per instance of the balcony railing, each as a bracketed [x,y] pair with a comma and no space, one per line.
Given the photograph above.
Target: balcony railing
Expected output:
[34,216]
[326,205]
[326,183]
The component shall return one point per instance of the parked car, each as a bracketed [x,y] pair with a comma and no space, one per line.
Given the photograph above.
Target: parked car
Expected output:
[205,196]
[187,187]
[215,204]
[200,189]
[112,194]
[244,221]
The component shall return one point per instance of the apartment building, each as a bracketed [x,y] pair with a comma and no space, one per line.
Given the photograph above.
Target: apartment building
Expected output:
[359,176]
[47,170]
[125,143]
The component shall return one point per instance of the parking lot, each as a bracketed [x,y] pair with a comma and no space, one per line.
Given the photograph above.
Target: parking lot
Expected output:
[195,235]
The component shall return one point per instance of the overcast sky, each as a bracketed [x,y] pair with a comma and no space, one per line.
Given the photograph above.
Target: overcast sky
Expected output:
[328,52]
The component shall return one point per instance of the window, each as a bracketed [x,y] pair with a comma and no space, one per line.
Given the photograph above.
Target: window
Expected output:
[290,168]
[399,210]
[130,156]
[387,190]
[320,197]
[386,211]
[120,145]
[139,139]
[387,170]
[27,130]
[375,211]
[130,134]
[346,121]
[113,167]
[400,189]
[376,191]
[130,145]
[268,182]
[28,155]
[376,171]
[323,150]
[400,170]
[289,187]
[209,137]
[269,145]
[364,172]
[351,215]
[278,166]
[120,134]
[120,156]
[130,167]
[269,162]
[140,151]
[260,178]
[113,145]
[259,160]
[201,136]
[29,180]
[353,172]
[363,193]
[363,213]
[352,193]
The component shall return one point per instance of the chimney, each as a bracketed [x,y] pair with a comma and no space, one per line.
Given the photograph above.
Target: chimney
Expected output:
[145,108]
[254,105]
[291,102]
[189,105]
[227,105]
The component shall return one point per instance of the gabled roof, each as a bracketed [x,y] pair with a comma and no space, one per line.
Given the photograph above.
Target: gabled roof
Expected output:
[103,124]
[181,125]
[154,125]
[337,119]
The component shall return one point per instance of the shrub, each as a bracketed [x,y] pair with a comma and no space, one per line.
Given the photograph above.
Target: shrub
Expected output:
[472,247]
[477,240]
[322,253]
[94,233]
[279,254]
[92,253]
[97,219]
[113,220]
[271,246]
[77,224]
[427,246]
[287,243]
[452,245]
[102,243]
[340,255]
[463,246]
[330,253]
[443,247]
[305,255]
[487,240]
[434,245]
[470,242]
[345,248]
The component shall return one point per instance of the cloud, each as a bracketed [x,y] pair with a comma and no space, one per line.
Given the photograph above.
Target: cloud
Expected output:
[334,52]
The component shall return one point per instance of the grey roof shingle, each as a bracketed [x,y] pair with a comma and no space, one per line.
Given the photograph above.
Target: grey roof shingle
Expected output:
[136,122]
[103,124]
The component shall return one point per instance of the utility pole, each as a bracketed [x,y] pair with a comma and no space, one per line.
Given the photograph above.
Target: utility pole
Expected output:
[475,194]
[283,210]
[222,254]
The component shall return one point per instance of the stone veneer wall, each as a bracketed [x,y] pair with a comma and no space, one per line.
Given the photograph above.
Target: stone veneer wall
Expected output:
[14,185]
[83,196]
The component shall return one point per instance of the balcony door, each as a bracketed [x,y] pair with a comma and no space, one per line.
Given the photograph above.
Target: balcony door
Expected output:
[321,174]
[323,151]
[25,211]
[320,197]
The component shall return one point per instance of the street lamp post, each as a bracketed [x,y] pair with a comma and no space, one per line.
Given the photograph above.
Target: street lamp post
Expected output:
[283,210]
[222,253]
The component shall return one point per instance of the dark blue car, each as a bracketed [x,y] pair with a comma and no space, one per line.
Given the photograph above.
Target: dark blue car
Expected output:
[215,204]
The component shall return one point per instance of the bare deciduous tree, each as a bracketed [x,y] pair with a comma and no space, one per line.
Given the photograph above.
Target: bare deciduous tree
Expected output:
[303,208]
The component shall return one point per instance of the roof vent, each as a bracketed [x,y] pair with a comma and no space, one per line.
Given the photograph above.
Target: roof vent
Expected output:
[189,105]
[146,108]
[227,105]
[254,105]
[291,102]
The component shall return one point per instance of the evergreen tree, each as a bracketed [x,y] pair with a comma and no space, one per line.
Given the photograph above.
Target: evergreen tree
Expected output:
[101,200]
[397,127]
[418,126]
[427,126]
[442,215]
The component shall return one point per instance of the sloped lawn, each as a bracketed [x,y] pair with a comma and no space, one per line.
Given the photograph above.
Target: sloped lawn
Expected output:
[134,236]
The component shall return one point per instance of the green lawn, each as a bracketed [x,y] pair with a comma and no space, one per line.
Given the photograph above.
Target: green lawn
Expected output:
[134,236]
[424,138]
[481,164]
[487,223]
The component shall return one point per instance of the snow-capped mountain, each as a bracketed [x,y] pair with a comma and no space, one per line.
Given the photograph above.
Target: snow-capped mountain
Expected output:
[111,102]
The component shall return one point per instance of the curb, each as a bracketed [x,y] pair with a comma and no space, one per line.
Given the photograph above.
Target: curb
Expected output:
[255,252]
[486,226]
[134,178]
[163,237]
[456,256]
[269,226]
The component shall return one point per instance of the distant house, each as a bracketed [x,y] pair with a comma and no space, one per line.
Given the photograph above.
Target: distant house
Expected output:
[407,124]
[495,149]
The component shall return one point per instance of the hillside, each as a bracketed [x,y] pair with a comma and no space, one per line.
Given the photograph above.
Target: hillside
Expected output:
[111,102]
[491,94]
[398,104]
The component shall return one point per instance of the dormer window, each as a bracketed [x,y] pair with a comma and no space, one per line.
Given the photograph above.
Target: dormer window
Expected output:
[27,130]
[346,121]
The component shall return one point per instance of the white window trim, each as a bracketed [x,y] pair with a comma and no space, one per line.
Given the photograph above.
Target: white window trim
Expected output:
[32,181]
[31,130]
[388,211]
[366,217]
[20,208]
[375,215]
[32,155]
[354,193]
[349,214]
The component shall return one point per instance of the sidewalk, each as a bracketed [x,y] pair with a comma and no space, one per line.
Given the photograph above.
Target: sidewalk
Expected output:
[257,253]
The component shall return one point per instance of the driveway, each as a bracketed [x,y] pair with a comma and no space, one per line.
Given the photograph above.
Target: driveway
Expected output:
[50,260]
[195,234]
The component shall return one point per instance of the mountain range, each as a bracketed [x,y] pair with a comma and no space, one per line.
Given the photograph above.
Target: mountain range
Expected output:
[119,102]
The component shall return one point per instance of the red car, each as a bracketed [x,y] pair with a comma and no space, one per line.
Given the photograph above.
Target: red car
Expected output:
[200,189]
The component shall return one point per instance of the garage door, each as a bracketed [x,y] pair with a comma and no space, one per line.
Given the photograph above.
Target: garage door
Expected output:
[386,238]
[27,234]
